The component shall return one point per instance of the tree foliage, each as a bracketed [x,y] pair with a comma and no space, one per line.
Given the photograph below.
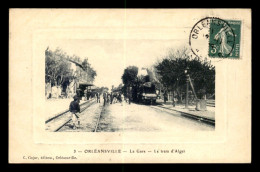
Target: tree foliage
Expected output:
[58,68]
[171,71]
[129,76]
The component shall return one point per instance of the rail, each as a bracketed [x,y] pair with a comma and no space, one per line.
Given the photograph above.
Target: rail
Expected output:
[63,112]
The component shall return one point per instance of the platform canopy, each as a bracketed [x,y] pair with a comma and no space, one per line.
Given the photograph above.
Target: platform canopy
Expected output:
[85,84]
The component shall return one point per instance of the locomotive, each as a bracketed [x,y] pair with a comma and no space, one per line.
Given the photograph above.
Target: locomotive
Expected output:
[145,90]
[147,93]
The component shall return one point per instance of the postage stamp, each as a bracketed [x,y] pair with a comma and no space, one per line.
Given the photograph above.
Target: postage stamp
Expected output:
[216,38]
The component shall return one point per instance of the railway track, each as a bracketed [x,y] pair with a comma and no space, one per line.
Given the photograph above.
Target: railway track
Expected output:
[55,123]
[191,116]
[98,119]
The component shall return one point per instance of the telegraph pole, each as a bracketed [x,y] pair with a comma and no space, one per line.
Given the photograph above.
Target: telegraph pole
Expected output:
[187,88]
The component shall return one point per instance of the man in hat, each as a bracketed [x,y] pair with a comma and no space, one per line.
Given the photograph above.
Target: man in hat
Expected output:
[75,109]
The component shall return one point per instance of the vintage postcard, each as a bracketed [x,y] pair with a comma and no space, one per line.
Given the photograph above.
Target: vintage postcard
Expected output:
[130,86]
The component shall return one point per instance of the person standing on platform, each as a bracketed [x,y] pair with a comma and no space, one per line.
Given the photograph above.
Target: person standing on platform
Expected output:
[98,97]
[165,97]
[173,101]
[108,97]
[115,98]
[119,97]
[111,98]
[85,94]
[105,98]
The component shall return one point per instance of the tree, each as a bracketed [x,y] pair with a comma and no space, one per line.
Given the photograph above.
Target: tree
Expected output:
[172,76]
[58,68]
[130,75]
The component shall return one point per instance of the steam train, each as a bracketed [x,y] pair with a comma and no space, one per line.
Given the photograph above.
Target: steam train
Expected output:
[144,93]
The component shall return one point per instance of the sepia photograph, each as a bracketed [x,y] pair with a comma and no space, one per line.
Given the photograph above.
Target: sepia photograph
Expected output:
[151,85]
[130,86]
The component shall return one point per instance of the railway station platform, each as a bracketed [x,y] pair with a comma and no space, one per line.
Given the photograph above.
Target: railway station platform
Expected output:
[208,114]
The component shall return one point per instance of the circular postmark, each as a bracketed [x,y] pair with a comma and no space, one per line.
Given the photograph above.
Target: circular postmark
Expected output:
[212,37]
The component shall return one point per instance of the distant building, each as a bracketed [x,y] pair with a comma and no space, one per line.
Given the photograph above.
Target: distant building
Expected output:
[80,84]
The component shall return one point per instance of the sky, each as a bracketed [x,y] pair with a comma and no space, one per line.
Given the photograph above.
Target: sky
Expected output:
[109,57]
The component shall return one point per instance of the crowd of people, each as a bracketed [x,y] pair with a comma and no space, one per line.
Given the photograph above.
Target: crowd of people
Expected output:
[112,98]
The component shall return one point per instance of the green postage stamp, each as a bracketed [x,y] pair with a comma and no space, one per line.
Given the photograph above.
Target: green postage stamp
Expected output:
[216,38]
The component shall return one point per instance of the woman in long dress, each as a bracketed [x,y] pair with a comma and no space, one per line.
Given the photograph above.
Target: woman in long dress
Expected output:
[222,36]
